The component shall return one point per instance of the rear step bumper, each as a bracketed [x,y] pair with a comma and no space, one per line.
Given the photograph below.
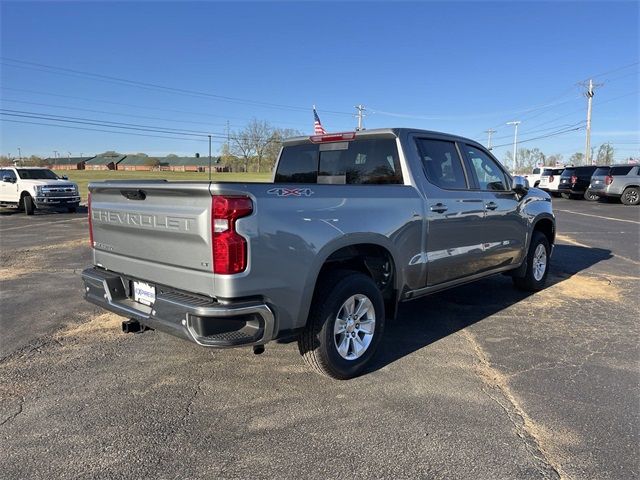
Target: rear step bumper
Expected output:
[192,318]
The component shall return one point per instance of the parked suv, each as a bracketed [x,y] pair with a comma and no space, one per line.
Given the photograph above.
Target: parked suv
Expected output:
[574,182]
[534,177]
[28,188]
[617,181]
[550,180]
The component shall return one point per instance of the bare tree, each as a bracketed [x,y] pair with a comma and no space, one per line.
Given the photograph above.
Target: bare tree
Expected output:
[251,143]
[605,154]
[577,158]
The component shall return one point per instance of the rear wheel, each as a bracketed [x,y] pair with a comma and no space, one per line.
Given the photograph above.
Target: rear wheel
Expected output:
[344,326]
[537,260]
[630,196]
[28,205]
[589,195]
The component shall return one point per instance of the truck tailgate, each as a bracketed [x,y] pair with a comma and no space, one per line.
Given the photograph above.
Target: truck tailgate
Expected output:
[156,229]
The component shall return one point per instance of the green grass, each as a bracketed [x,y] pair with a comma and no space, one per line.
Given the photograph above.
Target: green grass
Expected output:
[84,177]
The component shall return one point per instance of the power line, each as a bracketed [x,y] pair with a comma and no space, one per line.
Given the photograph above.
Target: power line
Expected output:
[127,127]
[142,107]
[74,127]
[66,107]
[617,69]
[152,86]
[554,127]
[104,123]
[542,136]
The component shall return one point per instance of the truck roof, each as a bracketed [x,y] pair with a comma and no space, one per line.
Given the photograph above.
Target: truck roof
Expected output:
[27,168]
[396,131]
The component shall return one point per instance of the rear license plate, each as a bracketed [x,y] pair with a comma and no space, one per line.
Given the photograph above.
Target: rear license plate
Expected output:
[144,293]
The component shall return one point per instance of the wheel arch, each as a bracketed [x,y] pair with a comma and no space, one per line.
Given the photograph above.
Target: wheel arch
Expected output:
[372,255]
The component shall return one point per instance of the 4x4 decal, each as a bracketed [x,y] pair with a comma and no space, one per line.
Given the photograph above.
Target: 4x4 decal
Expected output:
[290,192]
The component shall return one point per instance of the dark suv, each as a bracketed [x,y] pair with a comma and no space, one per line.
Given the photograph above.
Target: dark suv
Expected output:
[574,182]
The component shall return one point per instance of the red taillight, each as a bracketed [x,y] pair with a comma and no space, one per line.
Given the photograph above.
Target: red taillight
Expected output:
[229,248]
[333,137]
[608,180]
[574,179]
[550,180]
[90,220]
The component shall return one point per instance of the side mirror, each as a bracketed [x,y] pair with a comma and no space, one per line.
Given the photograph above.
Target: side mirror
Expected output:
[6,179]
[520,185]
[64,177]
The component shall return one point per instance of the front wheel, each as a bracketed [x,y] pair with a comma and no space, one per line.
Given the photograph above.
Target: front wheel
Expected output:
[630,196]
[28,205]
[537,260]
[344,326]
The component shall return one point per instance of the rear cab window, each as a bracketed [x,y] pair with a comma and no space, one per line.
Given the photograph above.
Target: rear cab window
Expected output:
[601,172]
[620,170]
[442,164]
[367,161]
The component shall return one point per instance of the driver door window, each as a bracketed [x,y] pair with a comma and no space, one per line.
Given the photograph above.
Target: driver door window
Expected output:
[487,172]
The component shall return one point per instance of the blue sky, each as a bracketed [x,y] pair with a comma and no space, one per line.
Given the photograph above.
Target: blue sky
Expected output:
[455,67]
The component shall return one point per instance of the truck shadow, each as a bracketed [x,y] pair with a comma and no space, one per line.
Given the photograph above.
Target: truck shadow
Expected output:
[424,321]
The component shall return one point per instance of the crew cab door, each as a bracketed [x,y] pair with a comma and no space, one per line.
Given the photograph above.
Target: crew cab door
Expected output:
[454,213]
[8,190]
[505,229]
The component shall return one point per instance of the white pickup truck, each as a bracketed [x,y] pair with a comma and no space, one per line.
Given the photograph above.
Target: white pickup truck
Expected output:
[28,188]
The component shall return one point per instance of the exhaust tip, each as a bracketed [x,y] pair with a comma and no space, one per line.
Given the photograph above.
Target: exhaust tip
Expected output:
[258,349]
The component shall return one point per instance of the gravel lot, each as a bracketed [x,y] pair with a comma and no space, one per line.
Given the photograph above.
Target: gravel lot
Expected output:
[481,381]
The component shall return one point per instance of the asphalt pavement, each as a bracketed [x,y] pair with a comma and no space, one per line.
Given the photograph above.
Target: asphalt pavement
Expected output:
[481,381]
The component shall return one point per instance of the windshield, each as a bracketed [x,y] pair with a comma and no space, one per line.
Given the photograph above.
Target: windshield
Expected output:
[36,174]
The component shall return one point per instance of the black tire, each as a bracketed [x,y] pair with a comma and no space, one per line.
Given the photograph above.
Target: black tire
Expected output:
[72,209]
[28,205]
[317,343]
[590,196]
[529,282]
[630,196]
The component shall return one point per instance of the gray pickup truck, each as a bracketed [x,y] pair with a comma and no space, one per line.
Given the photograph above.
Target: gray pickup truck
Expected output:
[352,224]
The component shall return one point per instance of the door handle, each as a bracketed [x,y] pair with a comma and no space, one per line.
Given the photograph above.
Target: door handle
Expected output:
[439,208]
[491,206]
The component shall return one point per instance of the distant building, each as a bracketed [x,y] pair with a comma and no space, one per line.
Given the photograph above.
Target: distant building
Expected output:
[140,163]
[104,162]
[67,163]
[191,164]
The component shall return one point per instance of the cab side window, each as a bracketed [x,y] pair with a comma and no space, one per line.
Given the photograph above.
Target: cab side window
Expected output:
[442,164]
[8,173]
[487,172]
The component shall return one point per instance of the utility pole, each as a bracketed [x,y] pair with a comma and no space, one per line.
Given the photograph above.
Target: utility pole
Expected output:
[209,157]
[55,154]
[360,114]
[589,94]
[490,132]
[19,155]
[515,143]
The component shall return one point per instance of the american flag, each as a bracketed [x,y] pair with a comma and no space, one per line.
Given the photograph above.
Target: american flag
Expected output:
[318,129]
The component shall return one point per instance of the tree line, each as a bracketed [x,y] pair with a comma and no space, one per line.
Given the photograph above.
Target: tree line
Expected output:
[530,158]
